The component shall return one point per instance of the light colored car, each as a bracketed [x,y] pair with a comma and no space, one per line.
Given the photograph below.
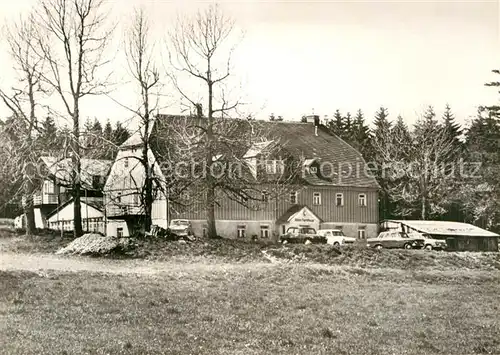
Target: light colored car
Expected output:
[181,227]
[336,237]
[429,242]
[396,239]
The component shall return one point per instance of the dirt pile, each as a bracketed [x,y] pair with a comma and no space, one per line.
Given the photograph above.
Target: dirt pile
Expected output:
[96,244]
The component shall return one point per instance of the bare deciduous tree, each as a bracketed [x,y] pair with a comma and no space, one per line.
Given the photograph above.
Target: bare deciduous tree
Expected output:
[423,179]
[22,102]
[73,43]
[196,46]
[146,78]
[213,139]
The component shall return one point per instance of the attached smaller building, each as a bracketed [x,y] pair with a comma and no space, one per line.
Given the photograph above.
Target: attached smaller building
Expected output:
[459,236]
[92,216]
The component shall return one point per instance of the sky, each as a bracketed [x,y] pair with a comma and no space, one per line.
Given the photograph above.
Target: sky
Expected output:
[303,57]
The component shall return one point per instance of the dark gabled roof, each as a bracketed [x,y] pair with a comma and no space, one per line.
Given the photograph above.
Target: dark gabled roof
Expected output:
[290,212]
[333,156]
[61,169]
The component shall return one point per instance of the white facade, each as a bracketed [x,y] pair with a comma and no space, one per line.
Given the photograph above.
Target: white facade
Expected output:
[123,188]
[92,218]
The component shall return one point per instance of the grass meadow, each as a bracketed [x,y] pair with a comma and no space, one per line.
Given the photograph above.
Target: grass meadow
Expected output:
[296,308]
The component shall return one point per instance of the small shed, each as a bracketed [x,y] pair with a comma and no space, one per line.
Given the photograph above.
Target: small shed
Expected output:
[459,236]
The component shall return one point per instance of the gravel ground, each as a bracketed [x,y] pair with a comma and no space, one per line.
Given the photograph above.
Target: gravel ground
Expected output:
[37,262]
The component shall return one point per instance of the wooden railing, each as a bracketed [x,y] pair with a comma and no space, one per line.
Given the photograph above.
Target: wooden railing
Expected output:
[45,199]
[118,211]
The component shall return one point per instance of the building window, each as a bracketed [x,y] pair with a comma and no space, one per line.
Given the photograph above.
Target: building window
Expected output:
[361,233]
[264,231]
[265,196]
[362,200]
[241,231]
[119,197]
[339,199]
[293,197]
[48,187]
[96,181]
[125,162]
[270,166]
[119,232]
[275,166]
[316,198]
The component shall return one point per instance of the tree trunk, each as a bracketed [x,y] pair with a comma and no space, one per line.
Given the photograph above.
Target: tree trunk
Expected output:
[424,208]
[28,207]
[77,168]
[148,182]
[212,229]
[29,210]
[148,202]
[29,174]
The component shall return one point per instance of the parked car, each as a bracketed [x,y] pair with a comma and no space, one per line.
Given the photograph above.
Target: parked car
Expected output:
[335,237]
[429,242]
[304,235]
[396,239]
[180,227]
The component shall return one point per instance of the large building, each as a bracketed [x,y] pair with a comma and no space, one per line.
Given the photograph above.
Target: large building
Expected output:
[333,190]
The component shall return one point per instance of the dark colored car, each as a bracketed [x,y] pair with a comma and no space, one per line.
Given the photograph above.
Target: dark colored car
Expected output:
[395,239]
[302,235]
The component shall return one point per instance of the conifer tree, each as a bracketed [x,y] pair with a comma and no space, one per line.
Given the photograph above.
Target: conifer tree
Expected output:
[381,139]
[361,136]
[120,134]
[336,125]
[108,131]
[453,129]
[347,129]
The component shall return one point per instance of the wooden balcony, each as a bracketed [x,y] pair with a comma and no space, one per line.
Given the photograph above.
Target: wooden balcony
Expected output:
[45,199]
[123,211]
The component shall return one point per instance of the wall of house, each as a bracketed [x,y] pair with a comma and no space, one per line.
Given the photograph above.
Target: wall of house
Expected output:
[328,211]
[350,212]
[40,220]
[351,217]
[123,185]
[159,212]
[229,228]
[113,225]
[92,219]
[352,229]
